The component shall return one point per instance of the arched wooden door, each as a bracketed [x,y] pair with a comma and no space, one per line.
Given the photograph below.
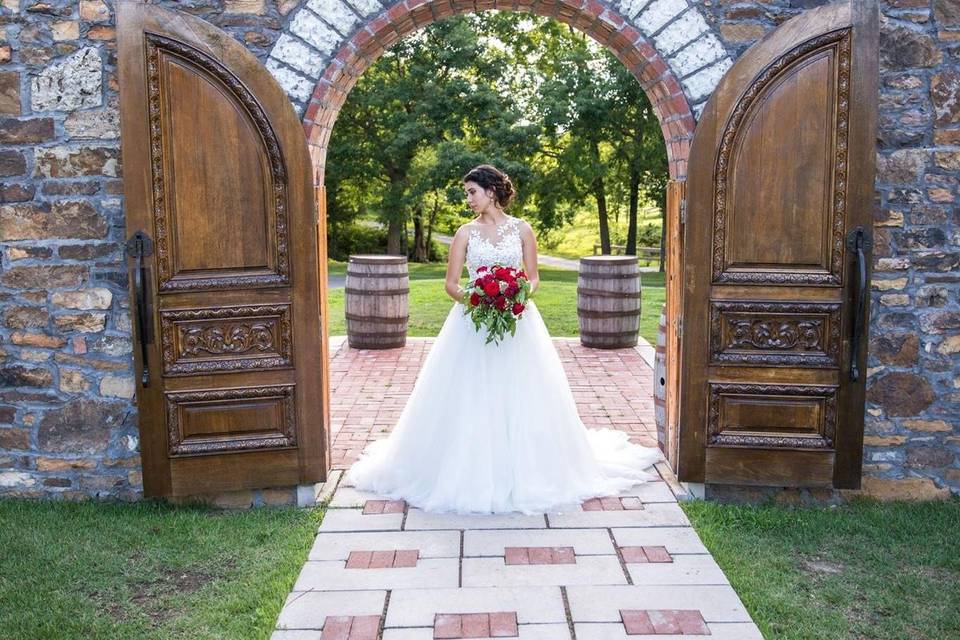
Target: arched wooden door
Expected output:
[224,291]
[776,250]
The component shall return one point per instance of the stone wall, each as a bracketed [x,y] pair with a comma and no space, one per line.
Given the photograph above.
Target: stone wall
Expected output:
[67,410]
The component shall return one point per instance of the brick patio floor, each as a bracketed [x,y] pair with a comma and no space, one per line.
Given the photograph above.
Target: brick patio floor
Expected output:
[368,388]
[615,568]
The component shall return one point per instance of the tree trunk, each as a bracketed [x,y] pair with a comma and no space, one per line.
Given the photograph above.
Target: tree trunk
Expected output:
[420,253]
[431,220]
[634,203]
[396,217]
[394,236]
[598,193]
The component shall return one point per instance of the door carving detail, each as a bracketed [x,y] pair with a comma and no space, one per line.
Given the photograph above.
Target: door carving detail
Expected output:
[226,339]
[761,405]
[836,46]
[160,52]
[775,333]
[185,420]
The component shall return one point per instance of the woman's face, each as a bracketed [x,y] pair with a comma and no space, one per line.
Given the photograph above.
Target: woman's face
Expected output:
[477,198]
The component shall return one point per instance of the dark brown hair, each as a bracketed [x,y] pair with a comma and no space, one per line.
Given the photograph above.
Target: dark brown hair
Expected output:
[489,177]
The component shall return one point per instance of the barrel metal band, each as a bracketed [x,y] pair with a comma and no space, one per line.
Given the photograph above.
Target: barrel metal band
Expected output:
[392,274]
[353,316]
[379,292]
[378,334]
[589,313]
[609,276]
[609,294]
[619,334]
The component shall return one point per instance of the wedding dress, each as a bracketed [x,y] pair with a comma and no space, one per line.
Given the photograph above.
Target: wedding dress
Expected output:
[494,428]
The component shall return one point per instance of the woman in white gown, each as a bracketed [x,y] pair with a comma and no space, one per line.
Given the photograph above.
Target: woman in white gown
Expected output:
[493,428]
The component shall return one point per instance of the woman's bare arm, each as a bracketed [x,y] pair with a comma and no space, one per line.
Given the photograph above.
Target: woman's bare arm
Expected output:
[455,260]
[530,255]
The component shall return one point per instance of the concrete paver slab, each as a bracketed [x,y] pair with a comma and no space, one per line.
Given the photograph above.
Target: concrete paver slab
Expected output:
[491,542]
[419,519]
[675,539]
[525,631]
[307,610]
[652,515]
[492,572]
[603,603]
[718,631]
[417,607]
[685,569]
[330,575]
[356,520]
[653,491]
[432,544]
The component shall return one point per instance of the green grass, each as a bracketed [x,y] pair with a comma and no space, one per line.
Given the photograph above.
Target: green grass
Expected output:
[863,570]
[108,570]
[556,299]
[577,238]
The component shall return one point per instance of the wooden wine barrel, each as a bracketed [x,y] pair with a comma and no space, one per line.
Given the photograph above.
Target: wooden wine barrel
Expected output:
[377,301]
[608,301]
[660,382]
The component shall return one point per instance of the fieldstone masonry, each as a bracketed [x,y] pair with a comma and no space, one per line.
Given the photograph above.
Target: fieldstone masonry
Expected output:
[67,409]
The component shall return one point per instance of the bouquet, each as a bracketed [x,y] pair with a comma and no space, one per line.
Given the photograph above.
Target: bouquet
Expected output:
[497,299]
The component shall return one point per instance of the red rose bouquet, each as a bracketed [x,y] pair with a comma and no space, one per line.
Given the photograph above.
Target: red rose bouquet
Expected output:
[497,299]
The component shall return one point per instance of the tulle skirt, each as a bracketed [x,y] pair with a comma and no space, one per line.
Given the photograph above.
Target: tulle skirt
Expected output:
[494,428]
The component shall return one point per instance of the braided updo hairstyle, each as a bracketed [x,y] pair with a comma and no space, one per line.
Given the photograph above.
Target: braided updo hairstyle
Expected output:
[489,177]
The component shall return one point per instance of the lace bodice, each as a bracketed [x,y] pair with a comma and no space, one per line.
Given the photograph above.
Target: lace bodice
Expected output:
[508,250]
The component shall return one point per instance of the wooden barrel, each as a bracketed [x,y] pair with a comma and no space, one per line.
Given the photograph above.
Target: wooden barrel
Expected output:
[377,301]
[608,301]
[660,382]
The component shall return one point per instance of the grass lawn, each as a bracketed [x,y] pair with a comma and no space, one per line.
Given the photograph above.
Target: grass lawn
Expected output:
[556,299]
[146,570]
[864,571]
[577,238]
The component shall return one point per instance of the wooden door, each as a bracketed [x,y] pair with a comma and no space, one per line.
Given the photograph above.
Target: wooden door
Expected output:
[781,180]
[674,290]
[217,182]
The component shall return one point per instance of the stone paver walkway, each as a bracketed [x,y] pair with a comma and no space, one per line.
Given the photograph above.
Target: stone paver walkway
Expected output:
[617,567]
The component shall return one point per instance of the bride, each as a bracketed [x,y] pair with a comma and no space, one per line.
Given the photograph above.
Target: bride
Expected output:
[493,428]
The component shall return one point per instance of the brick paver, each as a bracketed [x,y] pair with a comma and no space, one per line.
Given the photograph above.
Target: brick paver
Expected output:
[613,567]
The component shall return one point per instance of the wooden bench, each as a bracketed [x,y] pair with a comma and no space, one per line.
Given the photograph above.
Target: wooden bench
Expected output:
[643,253]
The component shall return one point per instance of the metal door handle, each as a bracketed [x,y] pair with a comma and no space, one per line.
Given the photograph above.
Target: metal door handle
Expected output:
[858,241]
[138,246]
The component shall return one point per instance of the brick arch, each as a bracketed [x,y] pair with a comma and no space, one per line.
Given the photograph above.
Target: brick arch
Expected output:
[666,44]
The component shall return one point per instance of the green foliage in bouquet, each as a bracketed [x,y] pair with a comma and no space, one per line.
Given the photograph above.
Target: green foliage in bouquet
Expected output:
[497,299]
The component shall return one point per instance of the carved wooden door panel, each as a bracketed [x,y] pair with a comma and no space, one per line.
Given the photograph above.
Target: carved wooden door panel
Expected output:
[776,277]
[223,262]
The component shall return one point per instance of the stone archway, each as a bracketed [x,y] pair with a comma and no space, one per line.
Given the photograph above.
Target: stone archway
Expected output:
[666,44]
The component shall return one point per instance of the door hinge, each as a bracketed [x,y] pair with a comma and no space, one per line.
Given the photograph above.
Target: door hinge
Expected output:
[679,328]
[683,211]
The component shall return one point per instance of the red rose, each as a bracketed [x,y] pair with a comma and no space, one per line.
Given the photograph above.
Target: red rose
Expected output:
[478,282]
[483,268]
[517,308]
[474,299]
[491,288]
[512,289]
[521,274]
[500,303]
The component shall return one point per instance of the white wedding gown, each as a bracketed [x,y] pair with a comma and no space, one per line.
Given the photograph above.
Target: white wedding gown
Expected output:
[494,428]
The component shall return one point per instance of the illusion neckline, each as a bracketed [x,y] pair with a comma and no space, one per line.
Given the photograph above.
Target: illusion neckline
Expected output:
[501,229]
